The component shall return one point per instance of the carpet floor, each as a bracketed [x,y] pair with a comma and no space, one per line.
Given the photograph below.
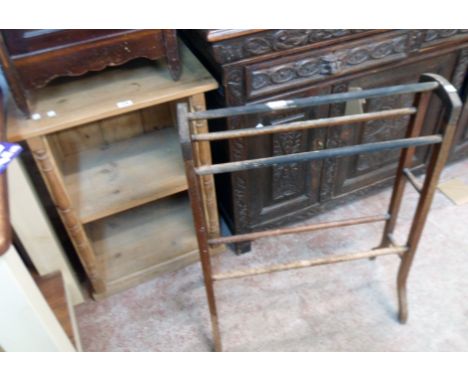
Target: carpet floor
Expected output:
[344,307]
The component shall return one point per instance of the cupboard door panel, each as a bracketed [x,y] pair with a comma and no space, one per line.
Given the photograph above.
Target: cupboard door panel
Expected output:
[460,148]
[280,191]
[460,80]
[361,171]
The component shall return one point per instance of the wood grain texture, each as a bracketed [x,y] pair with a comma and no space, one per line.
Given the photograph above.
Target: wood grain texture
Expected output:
[106,180]
[50,172]
[310,263]
[135,245]
[453,106]
[197,202]
[312,124]
[38,67]
[197,103]
[172,52]
[97,97]
[298,229]
[99,134]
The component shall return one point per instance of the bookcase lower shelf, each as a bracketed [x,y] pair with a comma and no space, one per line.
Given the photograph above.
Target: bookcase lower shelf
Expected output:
[135,245]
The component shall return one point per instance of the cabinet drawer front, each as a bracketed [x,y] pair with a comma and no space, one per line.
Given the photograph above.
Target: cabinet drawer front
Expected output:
[24,41]
[271,42]
[431,37]
[303,69]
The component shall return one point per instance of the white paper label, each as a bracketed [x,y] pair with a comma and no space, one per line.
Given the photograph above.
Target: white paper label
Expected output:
[125,103]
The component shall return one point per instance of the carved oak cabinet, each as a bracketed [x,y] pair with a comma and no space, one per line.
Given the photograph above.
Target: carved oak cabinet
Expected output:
[264,65]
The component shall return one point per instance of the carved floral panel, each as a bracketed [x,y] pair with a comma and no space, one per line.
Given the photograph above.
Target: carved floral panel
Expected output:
[383,130]
[287,178]
[275,41]
[319,66]
[461,69]
[434,35]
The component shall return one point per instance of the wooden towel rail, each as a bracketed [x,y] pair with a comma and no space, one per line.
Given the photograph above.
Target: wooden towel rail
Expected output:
[428,84]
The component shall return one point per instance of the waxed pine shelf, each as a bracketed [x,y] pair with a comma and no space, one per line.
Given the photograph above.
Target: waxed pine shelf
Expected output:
[133,243]
[108,150]
[106,180]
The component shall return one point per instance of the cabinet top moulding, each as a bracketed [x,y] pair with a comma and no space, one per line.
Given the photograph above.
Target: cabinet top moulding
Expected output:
[106,94]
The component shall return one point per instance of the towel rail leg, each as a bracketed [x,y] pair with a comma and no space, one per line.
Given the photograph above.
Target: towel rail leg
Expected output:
[406,158]
[439,156]
[196,201]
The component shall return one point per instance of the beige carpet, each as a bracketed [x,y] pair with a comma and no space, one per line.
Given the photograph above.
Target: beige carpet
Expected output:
[343,307]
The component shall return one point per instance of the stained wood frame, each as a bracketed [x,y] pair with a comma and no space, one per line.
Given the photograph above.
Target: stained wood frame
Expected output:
[197,170]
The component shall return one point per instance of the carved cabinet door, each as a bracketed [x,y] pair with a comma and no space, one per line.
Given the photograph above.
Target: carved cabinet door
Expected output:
[362,171]
[460,147]
[281,193]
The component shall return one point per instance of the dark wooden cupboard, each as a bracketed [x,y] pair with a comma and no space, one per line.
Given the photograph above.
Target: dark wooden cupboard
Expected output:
[31,58]
[460,149]
[264,65]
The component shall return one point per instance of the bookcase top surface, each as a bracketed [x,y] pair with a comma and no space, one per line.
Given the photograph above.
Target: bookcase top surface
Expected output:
[111,92]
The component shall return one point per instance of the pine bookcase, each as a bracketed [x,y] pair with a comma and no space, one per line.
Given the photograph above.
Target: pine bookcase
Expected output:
[107,148]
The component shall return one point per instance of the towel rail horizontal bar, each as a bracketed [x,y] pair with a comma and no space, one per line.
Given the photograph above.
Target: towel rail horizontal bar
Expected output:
[301,125]
[309,263]
[292,230]
[312,101]
[412,179]
[316,155]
